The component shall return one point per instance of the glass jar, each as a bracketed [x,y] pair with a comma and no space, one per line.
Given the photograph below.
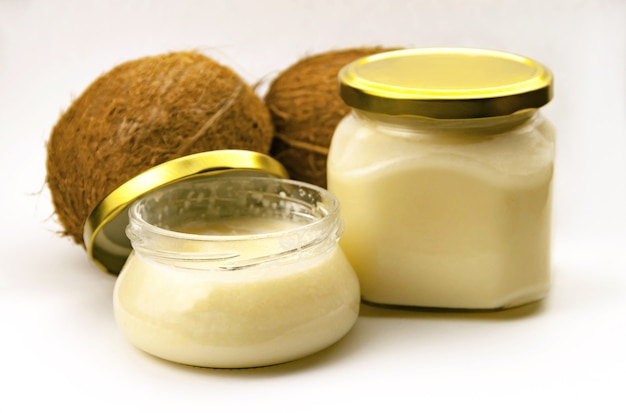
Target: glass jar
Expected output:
[444,173]
[235,271]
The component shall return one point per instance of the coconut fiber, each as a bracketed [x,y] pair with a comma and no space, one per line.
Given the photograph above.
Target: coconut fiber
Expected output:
[140,114]
[305,107]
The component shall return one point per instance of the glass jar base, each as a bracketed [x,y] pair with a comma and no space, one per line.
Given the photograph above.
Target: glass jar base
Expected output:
[431,309]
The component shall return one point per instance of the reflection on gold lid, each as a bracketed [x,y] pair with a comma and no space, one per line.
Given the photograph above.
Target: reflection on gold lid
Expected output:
[446,83]
[104,231]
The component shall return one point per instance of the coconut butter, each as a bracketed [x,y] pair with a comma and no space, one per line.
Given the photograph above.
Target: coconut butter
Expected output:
[444,172]
[235,272]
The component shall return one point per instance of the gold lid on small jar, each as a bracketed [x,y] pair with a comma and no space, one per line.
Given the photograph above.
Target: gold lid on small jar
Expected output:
[104,232]
[445,83]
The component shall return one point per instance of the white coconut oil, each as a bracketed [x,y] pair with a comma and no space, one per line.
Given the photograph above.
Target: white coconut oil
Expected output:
[445,189]
[234,274]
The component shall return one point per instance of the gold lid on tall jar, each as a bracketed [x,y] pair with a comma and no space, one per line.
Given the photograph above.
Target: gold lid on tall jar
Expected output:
[104,231]
[446,83]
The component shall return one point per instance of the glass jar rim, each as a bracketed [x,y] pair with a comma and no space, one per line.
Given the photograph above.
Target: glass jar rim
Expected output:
[329,214]
[318,224]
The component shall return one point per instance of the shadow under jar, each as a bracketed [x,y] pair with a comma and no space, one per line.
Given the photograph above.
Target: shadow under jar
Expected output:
[232,271]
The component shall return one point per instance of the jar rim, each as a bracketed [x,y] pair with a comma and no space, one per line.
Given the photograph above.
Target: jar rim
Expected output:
[446,83]
[329,213]
[317,218]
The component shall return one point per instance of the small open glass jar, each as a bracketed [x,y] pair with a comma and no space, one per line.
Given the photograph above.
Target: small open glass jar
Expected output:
[235,269]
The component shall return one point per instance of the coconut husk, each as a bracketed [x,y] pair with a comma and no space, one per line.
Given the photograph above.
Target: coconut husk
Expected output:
[305,107]
[140,114]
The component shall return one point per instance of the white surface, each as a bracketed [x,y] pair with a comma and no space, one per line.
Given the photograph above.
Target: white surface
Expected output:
[60,347]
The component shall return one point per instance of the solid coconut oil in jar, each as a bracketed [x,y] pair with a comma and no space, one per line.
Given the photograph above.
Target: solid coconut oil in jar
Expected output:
[236,272]
[444,173]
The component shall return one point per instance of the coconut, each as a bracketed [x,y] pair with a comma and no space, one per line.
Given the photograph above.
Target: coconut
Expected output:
[305,107]
[140,114]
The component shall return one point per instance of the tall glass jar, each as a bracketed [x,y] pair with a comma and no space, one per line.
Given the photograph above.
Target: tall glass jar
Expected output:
[234,271]
[444,173]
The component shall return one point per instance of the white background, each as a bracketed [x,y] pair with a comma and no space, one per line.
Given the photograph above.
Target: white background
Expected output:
[60,347]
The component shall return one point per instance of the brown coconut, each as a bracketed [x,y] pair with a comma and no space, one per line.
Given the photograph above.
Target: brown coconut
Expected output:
[305,107]
[140,114]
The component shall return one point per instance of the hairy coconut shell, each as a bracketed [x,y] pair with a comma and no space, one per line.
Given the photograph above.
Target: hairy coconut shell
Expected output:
[305,107]
[140,114]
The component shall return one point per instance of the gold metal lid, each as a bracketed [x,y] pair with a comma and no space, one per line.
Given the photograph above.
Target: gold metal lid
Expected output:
[445,83]
[104,232]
